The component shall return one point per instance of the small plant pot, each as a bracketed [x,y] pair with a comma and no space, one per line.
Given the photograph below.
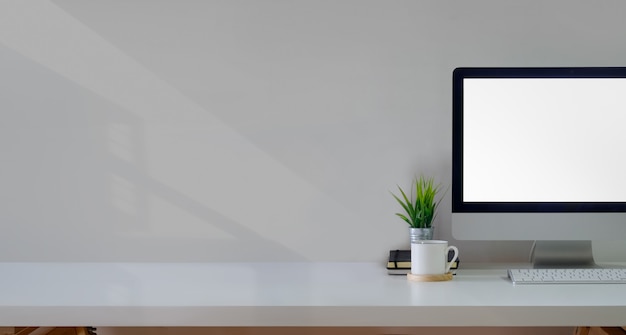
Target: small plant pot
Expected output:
[417,234]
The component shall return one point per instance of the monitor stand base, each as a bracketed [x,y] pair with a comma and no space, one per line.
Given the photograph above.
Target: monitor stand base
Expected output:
[562,254]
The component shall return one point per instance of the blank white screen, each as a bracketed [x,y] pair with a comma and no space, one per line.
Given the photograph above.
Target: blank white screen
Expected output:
[544,140]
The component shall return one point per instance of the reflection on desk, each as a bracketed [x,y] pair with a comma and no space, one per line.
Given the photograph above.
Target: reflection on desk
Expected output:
[288,294]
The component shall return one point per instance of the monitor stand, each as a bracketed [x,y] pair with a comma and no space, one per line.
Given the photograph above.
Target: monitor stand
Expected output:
[562,254]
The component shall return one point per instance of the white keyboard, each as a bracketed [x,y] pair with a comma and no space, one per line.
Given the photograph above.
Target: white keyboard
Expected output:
[568,276]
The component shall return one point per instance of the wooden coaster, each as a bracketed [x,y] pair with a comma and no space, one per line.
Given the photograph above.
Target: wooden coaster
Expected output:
[443,277]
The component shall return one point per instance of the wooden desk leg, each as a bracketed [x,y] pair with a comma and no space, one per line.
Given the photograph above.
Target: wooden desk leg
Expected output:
[52,331]
[85,331]
[600,331]
[24,330]
[63,331]
[614,330]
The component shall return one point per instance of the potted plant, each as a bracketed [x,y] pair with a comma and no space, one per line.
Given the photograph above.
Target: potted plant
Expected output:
[420,207]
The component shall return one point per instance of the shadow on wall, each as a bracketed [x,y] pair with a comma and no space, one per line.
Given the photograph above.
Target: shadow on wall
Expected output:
[76,176]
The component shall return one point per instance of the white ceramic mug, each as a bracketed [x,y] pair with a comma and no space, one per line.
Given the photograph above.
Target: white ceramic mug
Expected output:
[430,257]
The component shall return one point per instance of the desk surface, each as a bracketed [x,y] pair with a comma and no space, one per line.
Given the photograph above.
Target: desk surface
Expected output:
[288,294]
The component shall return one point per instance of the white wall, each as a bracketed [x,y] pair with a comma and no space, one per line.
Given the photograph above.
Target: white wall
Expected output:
[250,130]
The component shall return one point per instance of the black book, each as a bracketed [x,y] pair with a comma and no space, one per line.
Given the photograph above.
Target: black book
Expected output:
[400,262]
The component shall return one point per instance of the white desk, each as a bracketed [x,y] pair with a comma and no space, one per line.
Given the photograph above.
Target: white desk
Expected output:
[288,294]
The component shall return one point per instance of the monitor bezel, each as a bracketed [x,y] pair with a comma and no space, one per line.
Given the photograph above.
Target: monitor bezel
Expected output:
[458,203]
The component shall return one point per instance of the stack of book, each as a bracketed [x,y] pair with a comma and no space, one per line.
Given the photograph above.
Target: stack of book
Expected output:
[400,262]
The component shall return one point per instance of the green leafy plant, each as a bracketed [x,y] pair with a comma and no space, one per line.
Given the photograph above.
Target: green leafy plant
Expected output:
[420,206]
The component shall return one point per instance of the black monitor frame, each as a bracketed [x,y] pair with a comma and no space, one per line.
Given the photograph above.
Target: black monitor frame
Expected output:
[459,74]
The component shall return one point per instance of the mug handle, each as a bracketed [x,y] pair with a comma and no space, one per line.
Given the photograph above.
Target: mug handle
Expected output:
[454,258]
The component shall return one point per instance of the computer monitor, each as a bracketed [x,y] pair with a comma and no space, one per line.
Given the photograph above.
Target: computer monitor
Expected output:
[540,154]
